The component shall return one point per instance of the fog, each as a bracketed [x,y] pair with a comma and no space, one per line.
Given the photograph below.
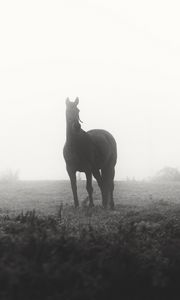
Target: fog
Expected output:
[121,58]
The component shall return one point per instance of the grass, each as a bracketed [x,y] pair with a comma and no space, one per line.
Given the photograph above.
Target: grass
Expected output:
[49,250]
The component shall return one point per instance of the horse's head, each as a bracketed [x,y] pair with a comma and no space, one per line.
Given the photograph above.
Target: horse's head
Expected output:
[72,113]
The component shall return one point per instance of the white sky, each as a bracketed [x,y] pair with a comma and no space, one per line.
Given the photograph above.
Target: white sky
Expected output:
[121,58]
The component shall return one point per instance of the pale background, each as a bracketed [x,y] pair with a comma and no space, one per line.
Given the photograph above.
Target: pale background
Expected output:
[121,58]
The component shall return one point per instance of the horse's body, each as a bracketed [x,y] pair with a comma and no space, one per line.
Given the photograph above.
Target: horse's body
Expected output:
[93,152]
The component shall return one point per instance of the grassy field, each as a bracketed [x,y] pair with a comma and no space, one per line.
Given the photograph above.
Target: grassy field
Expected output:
[49,250]
[46,196]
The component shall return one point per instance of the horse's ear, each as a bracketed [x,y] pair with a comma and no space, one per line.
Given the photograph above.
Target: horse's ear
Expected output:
[76,101]
[67,101]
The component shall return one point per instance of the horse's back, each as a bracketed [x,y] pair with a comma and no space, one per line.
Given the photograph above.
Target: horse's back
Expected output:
[105,146]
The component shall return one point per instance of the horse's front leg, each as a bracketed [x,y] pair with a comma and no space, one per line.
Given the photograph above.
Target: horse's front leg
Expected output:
[89,187]
[72,176]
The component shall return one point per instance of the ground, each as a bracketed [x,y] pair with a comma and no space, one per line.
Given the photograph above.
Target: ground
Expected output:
[46,196]
[50,250]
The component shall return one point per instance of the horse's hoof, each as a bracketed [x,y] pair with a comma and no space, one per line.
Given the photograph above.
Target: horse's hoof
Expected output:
[112,207]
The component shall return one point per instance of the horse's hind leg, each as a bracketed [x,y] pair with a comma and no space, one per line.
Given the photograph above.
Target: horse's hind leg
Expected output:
[108,186]
[97,176]
[105,187]
[89,187]
[112,173]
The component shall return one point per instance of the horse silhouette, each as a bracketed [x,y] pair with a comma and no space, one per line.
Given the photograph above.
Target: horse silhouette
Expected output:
[93,152]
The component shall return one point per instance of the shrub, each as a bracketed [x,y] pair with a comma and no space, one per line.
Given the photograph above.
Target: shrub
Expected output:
[9,176]
[47,257]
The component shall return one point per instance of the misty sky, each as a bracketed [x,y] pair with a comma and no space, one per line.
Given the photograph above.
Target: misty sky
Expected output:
[121,58]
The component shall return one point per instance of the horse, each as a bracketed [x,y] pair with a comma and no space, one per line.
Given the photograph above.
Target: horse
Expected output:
[93,152]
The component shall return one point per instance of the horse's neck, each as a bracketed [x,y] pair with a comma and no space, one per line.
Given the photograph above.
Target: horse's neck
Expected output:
[69,133]
[72,135]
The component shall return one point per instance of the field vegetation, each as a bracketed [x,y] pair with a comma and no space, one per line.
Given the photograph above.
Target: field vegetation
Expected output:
[49,250]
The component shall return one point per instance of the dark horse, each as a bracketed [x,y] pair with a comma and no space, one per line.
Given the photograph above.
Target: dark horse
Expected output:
[93,152]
